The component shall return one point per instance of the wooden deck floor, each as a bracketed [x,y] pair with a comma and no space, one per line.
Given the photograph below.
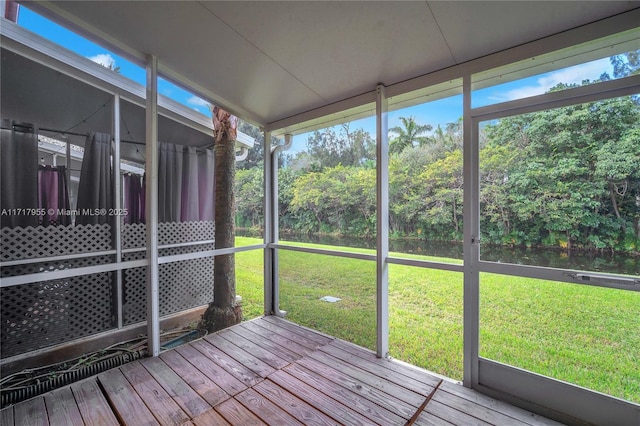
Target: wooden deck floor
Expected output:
[265,371]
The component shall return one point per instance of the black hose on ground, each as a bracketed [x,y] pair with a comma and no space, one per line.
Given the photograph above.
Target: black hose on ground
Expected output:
[13,396]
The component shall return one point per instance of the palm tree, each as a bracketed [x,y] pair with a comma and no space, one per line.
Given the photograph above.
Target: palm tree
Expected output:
[224,311]
[408,135]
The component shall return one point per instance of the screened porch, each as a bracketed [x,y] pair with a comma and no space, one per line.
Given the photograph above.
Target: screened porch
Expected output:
[109,231]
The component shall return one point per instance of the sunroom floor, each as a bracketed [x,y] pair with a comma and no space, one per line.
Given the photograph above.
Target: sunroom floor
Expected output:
[266,371]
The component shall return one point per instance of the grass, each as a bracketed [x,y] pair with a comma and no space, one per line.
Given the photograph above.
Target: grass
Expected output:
[584,335]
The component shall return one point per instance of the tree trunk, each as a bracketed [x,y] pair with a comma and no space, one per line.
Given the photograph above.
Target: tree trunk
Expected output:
[223,311]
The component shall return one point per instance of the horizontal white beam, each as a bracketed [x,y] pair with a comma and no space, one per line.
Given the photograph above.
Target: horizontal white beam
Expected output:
[336,253]
[563,275]
[589,93]
[208,253]
[426,264]
[68,273]
[57,258]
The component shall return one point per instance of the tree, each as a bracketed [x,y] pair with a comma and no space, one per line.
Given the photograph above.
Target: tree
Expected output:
[626,64]
[224,311]
[571,179]
[348,148]
[249,197]
[409,135]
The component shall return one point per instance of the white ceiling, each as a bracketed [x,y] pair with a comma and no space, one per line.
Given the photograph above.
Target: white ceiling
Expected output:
[269,60]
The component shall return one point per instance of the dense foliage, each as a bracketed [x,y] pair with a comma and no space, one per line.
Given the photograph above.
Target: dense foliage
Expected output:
[566,177]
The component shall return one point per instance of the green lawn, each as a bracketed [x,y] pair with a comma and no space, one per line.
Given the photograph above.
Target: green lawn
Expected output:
[584,335]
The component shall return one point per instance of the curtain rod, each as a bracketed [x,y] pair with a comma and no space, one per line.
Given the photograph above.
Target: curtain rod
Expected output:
[44,129]
[63,132]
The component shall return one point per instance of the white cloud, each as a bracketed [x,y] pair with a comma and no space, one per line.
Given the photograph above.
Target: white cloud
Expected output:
[104,59]
[194,100]
[571,75]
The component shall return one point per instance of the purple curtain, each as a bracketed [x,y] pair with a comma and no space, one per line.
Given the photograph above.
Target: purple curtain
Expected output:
[53,195]
[133,195]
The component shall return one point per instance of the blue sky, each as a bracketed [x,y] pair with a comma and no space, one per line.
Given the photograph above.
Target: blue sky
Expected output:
[441,112]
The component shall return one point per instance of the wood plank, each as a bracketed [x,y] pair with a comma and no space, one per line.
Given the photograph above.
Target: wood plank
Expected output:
[254,349]
[322,402]
[165,409]
[303,331]
[311,344]
[412,398]
[500,406]
[344,396]
[209,418]
[265,409]
[6,416]
[452,415]
[187,398]
[379,397]
[293,405]
[274,348]
[62,408]
[244,357]
[237,414]
[285,342]
[93,406]
[414,373]
[428,419]
[31,412]
[129,407]
[476,410]
[219,375]
[230,365]
[196,379]
[404,381]
[519,416]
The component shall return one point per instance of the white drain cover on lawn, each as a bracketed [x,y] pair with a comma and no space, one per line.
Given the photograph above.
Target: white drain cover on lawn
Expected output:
[330,299]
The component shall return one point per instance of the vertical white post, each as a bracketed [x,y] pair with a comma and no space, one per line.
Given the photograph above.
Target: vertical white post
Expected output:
[268,226]
[382,212]
[68,164]
[275,223]
[118,203]
[151,201]
[471,253]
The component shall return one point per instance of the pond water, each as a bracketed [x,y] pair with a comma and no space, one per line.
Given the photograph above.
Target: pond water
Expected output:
[587,261]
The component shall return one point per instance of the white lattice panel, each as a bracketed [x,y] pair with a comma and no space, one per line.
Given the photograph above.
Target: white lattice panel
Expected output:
[45,241]
[134,235]
[184,232]
[134,291]
[48,313]
[183,285]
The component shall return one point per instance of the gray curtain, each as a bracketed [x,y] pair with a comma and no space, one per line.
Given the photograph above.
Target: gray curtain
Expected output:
[206,180]
[170,165]
[18,173]
[95,190]
[190,187]
[197,185]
